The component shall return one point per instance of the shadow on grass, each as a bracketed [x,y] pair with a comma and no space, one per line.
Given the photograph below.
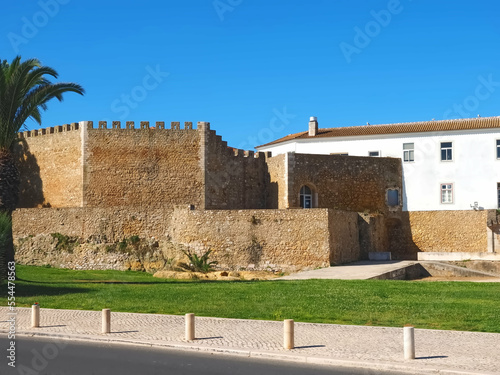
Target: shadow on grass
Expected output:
[160,281]
[42,290]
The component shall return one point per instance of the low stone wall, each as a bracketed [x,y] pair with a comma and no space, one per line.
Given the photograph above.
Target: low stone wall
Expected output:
[344,237]
[275,239]
[285,240]
[449,231]
[101,225]
[60,251]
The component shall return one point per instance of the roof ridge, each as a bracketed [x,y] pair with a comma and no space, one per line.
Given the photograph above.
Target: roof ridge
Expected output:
[416,122]
[397,128]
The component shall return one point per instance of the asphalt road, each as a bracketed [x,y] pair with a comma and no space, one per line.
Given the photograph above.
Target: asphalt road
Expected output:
[37,356]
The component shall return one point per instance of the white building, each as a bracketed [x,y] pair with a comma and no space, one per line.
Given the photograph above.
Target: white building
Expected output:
[447,165]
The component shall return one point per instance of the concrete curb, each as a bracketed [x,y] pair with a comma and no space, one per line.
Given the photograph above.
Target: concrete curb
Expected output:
[373,365]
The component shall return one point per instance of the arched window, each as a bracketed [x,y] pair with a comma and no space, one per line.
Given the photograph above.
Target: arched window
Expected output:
[306,197]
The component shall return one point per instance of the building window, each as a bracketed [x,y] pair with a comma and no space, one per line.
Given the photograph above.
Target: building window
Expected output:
[340,153]
[305,197]
[498,148]
[392,197]
[446,193]
[408,152]
[373,153]
[498,193]
[446,151]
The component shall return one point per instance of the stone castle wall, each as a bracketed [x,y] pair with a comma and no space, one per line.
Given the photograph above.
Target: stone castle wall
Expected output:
[142,167]
[373,236]
[50,161]
[84,166]
[261,239]
[107,184]
[277,185]
[234,179]
[278,239]
[110,224]
[344,236]
[127,164]
[349,183]
[448,231]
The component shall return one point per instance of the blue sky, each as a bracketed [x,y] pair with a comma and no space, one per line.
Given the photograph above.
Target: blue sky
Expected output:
[257,69]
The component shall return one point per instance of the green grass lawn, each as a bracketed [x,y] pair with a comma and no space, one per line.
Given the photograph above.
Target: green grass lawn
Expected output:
[439,305]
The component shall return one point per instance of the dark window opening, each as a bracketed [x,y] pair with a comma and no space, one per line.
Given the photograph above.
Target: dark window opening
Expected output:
[446,151]
[305,197]
[498,193]
[393,197]
[408,152]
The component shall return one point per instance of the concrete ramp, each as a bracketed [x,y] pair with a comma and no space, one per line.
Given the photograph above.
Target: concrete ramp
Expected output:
[449,270]
[362,270]
[388,270]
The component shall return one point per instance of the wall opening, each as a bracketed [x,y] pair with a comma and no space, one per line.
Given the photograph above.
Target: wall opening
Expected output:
[393,197]
[306,197]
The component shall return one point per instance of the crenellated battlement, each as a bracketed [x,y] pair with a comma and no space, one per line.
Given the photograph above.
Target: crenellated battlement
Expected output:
[220,146]
[130,125]
[202,126]
[231,151]
[112,163]
[51,130]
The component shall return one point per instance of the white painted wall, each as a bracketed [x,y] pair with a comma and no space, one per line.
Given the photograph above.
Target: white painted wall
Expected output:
[474,171]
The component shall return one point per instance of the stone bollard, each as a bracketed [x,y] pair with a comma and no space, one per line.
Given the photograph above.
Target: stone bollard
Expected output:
[189,327]
[288,341]
[106,321]
[409,342]
[35,315]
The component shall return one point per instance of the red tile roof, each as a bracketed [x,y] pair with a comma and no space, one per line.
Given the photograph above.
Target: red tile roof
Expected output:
[408,127]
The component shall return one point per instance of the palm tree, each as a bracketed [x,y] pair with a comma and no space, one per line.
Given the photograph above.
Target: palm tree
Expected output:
[24,92]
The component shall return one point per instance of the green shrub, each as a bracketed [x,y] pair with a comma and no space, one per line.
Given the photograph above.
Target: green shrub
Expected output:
[134,239]
[64,243]
[198,264]
[122,245]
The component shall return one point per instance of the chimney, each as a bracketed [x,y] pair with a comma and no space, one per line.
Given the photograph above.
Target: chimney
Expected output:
[313,126]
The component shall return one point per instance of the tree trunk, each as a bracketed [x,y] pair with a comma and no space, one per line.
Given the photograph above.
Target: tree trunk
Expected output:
[6,244]
[9,194]
[9,182]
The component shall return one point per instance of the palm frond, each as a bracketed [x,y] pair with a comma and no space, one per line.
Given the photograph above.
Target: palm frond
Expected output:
[25,90]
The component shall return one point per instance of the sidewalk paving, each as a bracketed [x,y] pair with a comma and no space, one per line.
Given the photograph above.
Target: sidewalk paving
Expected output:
[444,352]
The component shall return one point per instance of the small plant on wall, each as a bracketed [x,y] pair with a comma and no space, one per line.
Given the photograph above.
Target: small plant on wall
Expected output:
[64,243]
[198,264]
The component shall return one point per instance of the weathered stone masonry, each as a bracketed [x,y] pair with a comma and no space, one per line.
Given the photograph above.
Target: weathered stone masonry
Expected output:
[51,164]
[81,166]
[185,187]
[252,239]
